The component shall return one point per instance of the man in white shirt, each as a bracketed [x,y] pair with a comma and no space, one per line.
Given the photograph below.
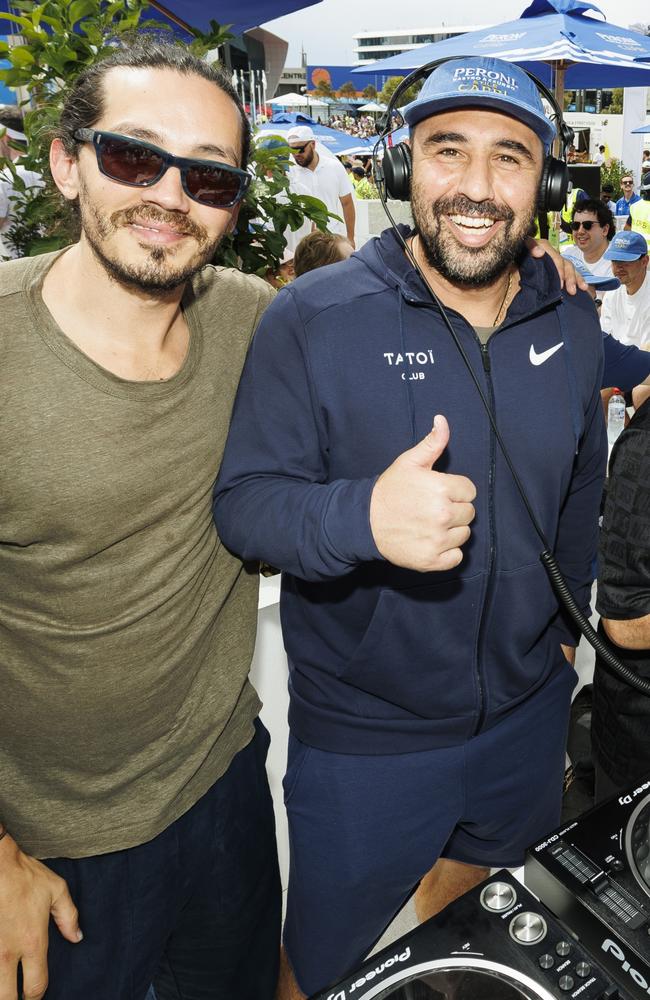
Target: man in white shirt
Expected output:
[599,158]
[593,227]
[626,311]
[324,177]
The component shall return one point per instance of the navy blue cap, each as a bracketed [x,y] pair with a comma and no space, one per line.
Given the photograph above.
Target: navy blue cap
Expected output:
[482,82]
[625,246]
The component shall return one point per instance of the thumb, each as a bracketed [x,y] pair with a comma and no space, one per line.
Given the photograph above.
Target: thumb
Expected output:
[431,447]
[65,915]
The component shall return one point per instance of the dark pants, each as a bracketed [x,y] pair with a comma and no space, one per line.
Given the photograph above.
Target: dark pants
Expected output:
[196,911]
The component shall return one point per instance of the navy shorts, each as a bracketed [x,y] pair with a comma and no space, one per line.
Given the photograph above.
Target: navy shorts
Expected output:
[196,911]
[364,829]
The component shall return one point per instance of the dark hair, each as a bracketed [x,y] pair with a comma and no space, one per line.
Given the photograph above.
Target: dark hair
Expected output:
[600,210]
[317,249]
[11,117]
[84,105]
[607,188]
[358,171]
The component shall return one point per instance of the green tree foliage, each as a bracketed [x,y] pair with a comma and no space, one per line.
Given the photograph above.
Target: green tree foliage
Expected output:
[323,89]
[58,40]
[347,89]
[611,174]
[370,92]
[615,106]
[391,85]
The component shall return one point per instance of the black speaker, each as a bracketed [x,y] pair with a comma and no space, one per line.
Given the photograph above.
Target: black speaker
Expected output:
[587,177]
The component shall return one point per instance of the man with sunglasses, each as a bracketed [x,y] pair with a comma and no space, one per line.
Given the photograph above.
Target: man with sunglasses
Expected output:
[134,803]
[323,177]
[593,227]
[628,198]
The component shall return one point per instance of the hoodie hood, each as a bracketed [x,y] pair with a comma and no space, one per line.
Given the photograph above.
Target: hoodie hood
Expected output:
[385,256]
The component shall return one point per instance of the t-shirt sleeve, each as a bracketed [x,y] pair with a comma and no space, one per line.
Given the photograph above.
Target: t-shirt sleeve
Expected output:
[624,573]
[345,184]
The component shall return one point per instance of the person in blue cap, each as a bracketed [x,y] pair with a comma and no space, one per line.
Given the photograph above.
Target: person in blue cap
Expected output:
[430,663]
[626,312]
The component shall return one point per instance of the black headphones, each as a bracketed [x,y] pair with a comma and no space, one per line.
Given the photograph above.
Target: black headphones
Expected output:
[396,164]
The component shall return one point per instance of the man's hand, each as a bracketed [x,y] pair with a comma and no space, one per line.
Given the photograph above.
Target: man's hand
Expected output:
[29,894]
[569,653]
[570,280]
[420,518]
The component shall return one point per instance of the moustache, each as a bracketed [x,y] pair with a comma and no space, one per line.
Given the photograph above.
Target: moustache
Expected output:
[174,220]
[459,205]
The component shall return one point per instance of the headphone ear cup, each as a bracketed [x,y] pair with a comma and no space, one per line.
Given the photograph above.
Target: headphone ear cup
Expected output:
[396,168]
[554,185]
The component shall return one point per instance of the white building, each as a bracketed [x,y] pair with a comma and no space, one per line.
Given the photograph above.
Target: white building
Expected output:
[370,46]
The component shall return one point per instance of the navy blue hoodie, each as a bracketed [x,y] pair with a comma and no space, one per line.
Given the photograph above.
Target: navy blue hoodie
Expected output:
[347,369]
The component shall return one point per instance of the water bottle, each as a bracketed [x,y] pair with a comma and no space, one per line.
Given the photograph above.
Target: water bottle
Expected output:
[615,416]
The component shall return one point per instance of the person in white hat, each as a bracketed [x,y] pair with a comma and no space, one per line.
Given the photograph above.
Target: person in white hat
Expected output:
[325,178]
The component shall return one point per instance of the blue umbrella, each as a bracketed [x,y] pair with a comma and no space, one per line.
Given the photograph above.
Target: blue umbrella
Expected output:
[332,139]
[554,39]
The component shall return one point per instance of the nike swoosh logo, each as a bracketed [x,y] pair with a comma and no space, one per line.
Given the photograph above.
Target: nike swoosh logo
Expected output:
[539,359]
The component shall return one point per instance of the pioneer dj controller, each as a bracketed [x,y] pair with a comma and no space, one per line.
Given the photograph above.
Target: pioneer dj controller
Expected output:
[594,874]
[496,942]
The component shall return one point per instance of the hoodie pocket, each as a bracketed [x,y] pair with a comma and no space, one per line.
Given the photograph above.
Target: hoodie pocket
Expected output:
[418,651]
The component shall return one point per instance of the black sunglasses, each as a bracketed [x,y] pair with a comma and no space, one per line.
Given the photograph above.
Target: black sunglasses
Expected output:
[575,226]
[139,164]
[300,149]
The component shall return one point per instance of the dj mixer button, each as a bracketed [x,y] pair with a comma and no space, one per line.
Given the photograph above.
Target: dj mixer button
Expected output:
[566,983]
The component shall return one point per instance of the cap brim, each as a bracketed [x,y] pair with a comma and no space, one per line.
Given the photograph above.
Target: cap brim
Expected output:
[621,257]
[602,284]
[416,111]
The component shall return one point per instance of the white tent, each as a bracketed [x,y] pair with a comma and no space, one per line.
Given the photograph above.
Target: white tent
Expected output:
[372,106]
[291,101]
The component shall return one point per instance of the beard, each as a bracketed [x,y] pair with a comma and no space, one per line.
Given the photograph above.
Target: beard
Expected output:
[159,272]
[475,267]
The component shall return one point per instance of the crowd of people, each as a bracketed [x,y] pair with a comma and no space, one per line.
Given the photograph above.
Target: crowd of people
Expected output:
[363,125]
[168,425]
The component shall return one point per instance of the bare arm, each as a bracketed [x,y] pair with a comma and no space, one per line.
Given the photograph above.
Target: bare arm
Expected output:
[633,633]
[29,894]
[349,215]
[569,653]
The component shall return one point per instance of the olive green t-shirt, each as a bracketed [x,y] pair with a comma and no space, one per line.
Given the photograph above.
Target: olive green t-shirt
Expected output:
[126,628]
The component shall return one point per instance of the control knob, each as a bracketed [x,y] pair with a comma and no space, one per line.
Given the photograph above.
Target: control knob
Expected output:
[528,928]
[498,896]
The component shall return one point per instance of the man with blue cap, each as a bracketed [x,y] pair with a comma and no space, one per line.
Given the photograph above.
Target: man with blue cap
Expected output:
[430,663]
[626,313]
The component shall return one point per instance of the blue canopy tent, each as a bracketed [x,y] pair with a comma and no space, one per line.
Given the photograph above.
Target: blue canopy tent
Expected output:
[333,140]
[198,13]
[554,39]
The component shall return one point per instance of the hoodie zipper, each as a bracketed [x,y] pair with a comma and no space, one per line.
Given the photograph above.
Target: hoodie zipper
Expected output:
[487,368]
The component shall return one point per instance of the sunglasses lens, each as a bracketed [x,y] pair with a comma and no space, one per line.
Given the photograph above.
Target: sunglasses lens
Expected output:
[213,186]
[128,162]
[575,226]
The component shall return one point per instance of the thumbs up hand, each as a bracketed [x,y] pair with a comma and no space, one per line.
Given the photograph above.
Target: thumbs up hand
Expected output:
[420,518]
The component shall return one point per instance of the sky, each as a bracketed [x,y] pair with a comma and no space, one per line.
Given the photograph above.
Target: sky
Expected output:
[326,29]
